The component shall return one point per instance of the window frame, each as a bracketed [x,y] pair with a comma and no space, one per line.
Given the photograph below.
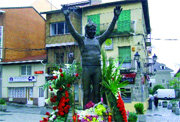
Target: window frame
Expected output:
[57,31]
[26,72]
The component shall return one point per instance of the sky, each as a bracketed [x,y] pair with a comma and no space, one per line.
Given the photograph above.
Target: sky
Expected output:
[165,24]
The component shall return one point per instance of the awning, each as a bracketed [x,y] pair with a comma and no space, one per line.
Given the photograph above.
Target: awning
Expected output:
[130,75]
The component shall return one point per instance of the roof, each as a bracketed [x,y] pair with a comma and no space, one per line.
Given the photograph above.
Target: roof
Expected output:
[177,72]
[30,59]
[158,65]
[23,8]
[87,6]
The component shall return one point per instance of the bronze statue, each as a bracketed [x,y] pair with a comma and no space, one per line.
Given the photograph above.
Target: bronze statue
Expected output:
[90,48]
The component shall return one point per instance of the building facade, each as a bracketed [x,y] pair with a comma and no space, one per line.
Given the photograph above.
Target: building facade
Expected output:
[22,34]
[23,80]
[162,75]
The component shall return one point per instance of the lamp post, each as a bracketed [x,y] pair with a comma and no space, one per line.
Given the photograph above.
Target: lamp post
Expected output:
[136,58]
[139,70]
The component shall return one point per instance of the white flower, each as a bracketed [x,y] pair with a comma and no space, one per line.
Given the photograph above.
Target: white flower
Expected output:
[56,73]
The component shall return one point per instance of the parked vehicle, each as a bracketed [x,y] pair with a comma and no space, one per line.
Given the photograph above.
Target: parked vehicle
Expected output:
[165,93]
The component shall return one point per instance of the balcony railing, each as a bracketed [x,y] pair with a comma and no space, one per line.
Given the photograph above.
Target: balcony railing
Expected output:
[123,29]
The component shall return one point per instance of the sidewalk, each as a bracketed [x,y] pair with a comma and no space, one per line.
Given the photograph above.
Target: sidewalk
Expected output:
[161,115]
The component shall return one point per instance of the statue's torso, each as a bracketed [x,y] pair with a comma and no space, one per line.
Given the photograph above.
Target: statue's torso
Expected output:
[91,52]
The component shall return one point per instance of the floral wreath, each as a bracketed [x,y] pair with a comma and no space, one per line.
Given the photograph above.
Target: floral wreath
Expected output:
[60,92]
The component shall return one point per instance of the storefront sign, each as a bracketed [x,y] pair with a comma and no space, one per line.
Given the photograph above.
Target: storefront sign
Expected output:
[129,77]
[38,72]
[23,79]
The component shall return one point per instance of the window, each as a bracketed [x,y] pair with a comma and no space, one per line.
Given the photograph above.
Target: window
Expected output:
[163,81]
[124,21]
[59,58]
[96,19]
[26,70]
[58,28]
[125,54]
[17,92]
[41,92]
[162,67]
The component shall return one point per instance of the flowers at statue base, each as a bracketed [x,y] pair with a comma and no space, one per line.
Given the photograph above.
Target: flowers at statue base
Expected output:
[120,105]
[60,97]
[93,112]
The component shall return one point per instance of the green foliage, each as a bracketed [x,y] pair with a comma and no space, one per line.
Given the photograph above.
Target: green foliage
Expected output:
[111,78]
[175,83]
[139,107]
[150,91]
[156,87]
[132,117]
[2,101]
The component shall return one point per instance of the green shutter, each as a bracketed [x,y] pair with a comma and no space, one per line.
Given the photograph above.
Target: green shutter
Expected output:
[96,19]
[124,21]
[125,54]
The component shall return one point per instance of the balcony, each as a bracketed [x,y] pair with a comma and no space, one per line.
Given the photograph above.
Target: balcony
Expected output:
[127,67]
[125,28]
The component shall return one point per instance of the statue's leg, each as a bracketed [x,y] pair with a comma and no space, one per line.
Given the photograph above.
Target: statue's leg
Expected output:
[96,84]
[86,80]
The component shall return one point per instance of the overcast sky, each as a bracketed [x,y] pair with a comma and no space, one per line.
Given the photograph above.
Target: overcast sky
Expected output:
[165,26]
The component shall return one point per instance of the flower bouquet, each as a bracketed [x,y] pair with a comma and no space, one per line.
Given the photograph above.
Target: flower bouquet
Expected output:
[60,97]
[93,113]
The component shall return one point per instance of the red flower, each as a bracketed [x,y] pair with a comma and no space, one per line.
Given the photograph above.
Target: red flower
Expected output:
[68,85]
[66,94]
[67,100]
[55,77]
[45,119]
[54,107]
[60,89]
[47,113]
[76,74]
[50,88]
[60,70]
[62,75]
[120,105]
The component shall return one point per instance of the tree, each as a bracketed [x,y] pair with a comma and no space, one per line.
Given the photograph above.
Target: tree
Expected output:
[156,87]
[175,83]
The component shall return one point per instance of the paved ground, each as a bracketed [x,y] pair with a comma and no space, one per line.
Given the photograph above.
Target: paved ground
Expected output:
[161,115]
[21,114]
[32,114]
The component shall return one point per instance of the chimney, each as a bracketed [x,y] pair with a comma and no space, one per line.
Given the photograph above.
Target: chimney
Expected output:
[95,2]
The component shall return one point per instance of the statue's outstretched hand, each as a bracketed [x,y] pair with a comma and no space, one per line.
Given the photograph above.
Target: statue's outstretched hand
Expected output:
[66,10]
[117,11]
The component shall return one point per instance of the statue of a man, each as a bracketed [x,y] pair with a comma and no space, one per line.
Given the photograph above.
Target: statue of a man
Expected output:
[90,48]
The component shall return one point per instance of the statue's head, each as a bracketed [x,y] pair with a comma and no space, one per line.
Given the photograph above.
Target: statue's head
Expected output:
[90,29]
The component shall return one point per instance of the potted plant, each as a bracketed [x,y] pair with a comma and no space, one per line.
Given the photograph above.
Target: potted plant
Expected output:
[3,106]
[164,104]
[132,117]
[139,107]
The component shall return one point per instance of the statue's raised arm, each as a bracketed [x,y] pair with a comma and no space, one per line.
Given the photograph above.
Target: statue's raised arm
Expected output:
[104,36]
[72,30]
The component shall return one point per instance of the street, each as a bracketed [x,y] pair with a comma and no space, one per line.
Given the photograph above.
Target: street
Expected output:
[32,114]
[21,114]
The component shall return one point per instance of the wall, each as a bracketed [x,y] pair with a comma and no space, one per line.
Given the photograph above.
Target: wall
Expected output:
[14,71]
[59,17]
[24,28]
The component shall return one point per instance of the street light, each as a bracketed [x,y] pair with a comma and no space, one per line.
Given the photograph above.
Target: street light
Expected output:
[136,58]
